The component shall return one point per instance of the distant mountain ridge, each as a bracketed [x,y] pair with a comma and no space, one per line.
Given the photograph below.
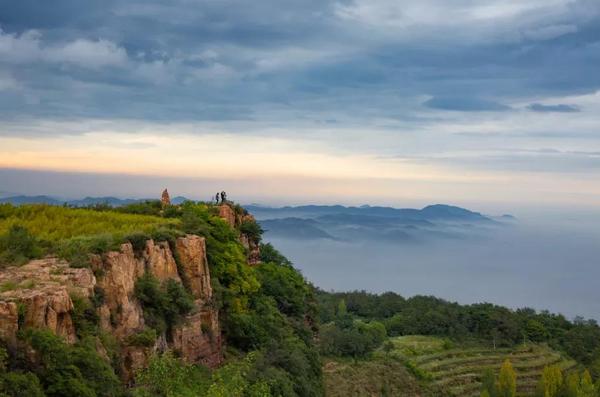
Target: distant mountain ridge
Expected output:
[337,222]
[87,201]
[430,212]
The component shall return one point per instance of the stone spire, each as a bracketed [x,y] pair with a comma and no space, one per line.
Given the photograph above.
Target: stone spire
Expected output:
[165,199]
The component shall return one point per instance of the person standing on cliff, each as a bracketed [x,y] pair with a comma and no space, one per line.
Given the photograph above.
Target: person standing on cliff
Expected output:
[223,197]
[217,197]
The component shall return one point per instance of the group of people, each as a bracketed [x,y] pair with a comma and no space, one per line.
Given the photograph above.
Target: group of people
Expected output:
[222,196]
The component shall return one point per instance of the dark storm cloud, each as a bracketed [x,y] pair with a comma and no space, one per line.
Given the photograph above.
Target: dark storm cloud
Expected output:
[232,60]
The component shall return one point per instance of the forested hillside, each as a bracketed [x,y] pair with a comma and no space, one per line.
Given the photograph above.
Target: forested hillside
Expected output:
[389,345]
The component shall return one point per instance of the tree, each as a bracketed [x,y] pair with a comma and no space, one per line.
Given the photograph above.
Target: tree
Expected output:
[572,385]
[507,380]
[488,383]
[167,376]
[586,388]
[536,331]
[17,246]
[551,382]
[342,311]
[485,393]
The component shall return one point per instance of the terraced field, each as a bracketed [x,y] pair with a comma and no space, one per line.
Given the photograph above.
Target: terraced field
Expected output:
[458,370]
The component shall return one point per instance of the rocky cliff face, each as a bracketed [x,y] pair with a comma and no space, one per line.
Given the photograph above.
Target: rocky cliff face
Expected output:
[234,220]
[250,245]
[39,294]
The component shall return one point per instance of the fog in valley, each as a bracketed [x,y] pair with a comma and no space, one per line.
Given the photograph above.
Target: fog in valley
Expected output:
[547,261]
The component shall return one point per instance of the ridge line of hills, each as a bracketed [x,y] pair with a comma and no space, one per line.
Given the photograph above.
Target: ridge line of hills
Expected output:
[434,211]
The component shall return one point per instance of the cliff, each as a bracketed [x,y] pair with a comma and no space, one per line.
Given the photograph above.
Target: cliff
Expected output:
[110,290]
[236,219]
[41,294]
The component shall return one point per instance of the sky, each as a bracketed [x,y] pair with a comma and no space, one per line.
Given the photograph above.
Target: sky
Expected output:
[492,103]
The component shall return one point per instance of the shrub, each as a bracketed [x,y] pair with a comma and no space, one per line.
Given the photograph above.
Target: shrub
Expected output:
[168,235]
[77,250]
[148,207]
[252,229]
[416,371]
[146,338]
[268,253]
[84,315]
[167,376]
[17,384]
[138,241]
[71,371]
[18,246]
[163,305]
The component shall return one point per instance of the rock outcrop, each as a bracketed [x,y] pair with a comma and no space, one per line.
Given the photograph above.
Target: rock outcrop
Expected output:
[120,313]
[160,261]
[227,213]
[198,339]
[39,294]
[165,199]
[192,256]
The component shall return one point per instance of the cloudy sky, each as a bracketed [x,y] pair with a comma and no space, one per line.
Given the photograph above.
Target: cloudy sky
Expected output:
[465,101]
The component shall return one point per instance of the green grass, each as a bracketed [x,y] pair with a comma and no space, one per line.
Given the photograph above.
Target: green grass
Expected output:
[32,231]
[54,224]
[8,286]
[11,286]
[458,370]
[376,377]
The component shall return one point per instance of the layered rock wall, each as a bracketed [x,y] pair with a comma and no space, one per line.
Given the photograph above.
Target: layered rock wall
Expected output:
[39,293]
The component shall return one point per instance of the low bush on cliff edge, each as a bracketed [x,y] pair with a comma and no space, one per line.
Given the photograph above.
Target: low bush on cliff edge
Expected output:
[18,245]
[252,229]
[164,304]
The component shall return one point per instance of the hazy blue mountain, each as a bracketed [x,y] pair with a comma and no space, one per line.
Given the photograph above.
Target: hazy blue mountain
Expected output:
[371,223]
[113,201]
[87,201]
[432,212]
[178,200]
[449,212]
[19,200]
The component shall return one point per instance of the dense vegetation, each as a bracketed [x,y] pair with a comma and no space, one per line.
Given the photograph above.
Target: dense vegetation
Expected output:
[60,369]
[495,325]
[467,339]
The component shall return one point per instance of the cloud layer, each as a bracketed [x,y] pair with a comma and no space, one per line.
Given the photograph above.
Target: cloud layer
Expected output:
[462,87]
[199,60]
